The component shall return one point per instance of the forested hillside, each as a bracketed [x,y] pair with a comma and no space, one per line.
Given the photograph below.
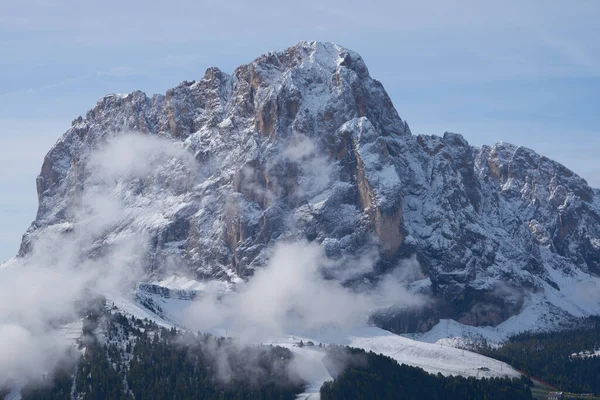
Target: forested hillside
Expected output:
[568,360]
[128,358]
[373,376]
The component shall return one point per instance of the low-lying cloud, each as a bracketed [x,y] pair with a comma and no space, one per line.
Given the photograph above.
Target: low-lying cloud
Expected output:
[127,179]
[291,295]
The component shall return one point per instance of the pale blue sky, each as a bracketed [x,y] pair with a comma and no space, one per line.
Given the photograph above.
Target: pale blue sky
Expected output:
[526,72]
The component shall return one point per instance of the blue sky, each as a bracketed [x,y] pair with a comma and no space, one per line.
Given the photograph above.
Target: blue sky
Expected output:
[526,72]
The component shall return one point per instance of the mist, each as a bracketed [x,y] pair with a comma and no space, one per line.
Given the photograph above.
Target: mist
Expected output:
[291,295]
[100,250]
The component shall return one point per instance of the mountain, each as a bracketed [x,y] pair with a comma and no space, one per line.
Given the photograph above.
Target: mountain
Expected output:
[304,144]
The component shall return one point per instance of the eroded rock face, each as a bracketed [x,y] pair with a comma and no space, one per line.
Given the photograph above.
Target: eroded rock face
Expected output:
[304,144]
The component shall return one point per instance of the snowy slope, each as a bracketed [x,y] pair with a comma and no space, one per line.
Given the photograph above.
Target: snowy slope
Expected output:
[71,331]
[579,296]
[432,358]
[15,394]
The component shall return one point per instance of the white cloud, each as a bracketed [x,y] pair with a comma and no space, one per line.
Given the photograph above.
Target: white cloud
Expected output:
[290,294]
[574,51]
[75,260]
[117,72]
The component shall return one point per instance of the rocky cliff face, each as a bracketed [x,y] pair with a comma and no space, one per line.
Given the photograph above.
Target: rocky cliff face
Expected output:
[305,144]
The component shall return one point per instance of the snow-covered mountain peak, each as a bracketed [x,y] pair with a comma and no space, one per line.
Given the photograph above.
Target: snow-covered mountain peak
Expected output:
[324,57]
[303,144]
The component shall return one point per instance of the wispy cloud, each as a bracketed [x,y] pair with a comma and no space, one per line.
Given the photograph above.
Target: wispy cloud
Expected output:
[114,72]
[290,294]
[117,72]
[573,51]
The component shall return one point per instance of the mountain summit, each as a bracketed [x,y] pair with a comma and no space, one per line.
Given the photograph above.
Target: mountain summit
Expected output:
[304,145]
